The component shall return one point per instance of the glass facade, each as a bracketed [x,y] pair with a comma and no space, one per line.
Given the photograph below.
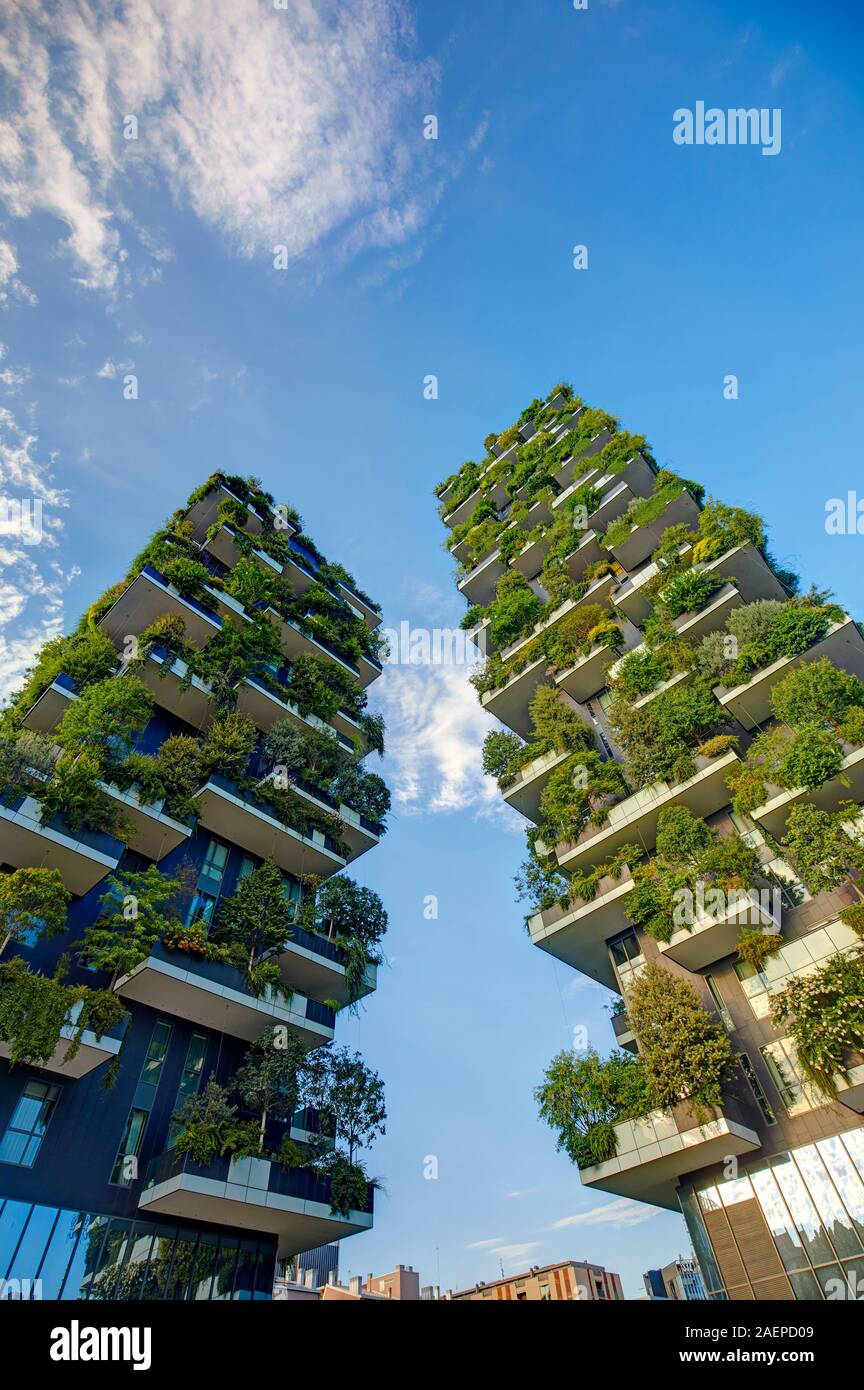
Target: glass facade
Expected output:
[812,1202]
[62,1254]
[26,1129]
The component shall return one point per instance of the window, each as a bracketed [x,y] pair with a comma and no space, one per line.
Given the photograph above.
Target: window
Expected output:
[784,1074]
[125,1170]
[756,1087]
[209,884]
[190,1080]
[725,1016]
[26,1129]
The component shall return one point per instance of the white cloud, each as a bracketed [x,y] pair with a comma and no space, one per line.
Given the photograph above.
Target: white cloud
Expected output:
[511,1253]
[10,286]
[110,369]
[785,64]
[619,1214]
[274,127]
[31,593]
[435,731]
[483,1244]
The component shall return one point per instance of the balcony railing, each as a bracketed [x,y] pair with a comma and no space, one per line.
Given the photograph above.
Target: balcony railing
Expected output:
[643,540]
[252,1194]
[45,714]
[317,966]
[215,995]
[635,817]
[773,814]
[654,1153]
[147,598]
[711,938]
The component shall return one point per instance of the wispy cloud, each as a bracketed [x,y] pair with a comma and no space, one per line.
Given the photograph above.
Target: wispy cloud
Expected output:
[619,1214]
[11,288]
[272,126]
[516,1251]
[33,583]
[484,1244]
[436,727]
[784,65]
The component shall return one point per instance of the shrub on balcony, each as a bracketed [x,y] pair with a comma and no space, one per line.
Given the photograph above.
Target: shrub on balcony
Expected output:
[208,1124]
[650,665]
[316,686]
[824,1013]
[806,757]
[515,610]
[654,736]
[583,1097]
[365,792]
[189,576]
[314,755]
[254,923]
[228,745]
[817,693]
[74,793]
[104,720]
[503,756]
[722,527]
[85,656]
[579,633]
[180,769]
[541,883]
[821,849]
[643,510]
[35,1008]
[33,903]
[585,885]
[685,1053]
[577,794]
[756,946]
[687,592]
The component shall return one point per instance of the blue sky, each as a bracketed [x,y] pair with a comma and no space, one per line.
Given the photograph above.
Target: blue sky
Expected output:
[302,128]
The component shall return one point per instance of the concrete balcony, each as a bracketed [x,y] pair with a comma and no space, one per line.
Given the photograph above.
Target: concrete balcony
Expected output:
[224,547]
[45,714]
[713,938]
[643,540]
[750,703]
[234,816]
[296,643]
[588,674]
[479,586]
[510,702]
[630,598]
[637,478]
[772,816]
[525,791]
[588,552]
[214,995]
[850,1089]
[147,598]
[577,934]
[92,1052]
[358,831]
[753,576]
[175,689]
[155,832]
[266,709]
[316,966]
[711,616]
[253,1194]
[82,857]
[567,474]
[635,818]
[624,1035]
[655,1153]
[204,513]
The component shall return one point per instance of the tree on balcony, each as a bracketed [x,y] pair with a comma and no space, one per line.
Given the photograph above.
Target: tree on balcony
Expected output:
[33,903]
[267,1081]
[824,1013]
[583,1097]
[255,923]
[137,910]
[821,847]
[686,1053]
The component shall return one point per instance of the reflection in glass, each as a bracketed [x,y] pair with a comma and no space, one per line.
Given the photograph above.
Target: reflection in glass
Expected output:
[780,1223]
[803,1211]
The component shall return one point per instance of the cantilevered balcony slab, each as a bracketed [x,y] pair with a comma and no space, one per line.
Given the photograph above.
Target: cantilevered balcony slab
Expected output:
[92,1052]
[266,709]
[45,714]
[655,1153]
[624,1035]
[203,513]
[598,593]
[713,938]
[577,935]
[575,468]
[235,817]
[174,689]
[225,548]
[147,598]
[214,995]
[588,552]
[155,832]
[634,820]
[358,831]
[772,816]
[850,1089]
[587,675]
[753,576]
[510,702]
[82,857]
[525,791]
[316,966]
[750,703]
[479,586]
[643,540]
[298,643]
[637,478]
[249,1194]
[629,595]
[711,616]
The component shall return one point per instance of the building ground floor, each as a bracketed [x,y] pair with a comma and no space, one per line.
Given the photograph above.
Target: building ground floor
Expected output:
[789,1226]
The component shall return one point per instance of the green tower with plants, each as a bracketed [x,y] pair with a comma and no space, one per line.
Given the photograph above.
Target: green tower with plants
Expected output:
[684,734]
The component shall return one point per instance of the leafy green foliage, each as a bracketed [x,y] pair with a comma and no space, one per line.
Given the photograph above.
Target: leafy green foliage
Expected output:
[686,1054]
[32,901]
[582,1097]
